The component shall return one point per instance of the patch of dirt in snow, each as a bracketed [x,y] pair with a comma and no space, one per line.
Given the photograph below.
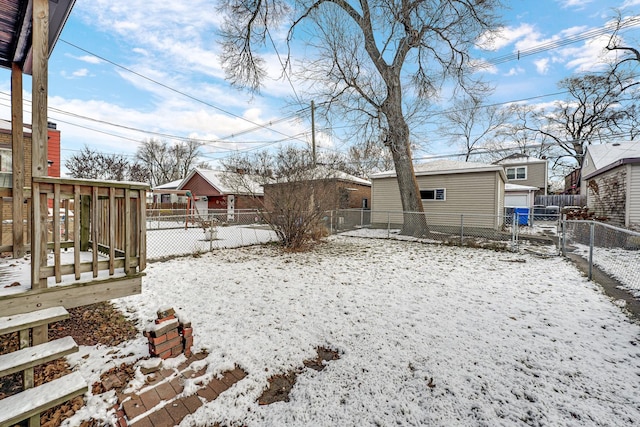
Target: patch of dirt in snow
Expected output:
[281,385]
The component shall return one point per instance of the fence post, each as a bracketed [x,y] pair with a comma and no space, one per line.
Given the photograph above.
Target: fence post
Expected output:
[592,229]
[330,222]
[388,225]
[361,218]
[514,231]
[563,233]
[461,229]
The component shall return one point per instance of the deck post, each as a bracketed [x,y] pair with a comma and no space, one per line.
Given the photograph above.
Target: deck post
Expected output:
[85,219]
[17,160]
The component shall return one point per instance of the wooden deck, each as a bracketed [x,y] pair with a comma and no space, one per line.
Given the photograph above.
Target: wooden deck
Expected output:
[89,245]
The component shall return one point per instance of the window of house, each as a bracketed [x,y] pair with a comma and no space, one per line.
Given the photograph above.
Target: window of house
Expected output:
[438,194]
[5,167]
[519,172]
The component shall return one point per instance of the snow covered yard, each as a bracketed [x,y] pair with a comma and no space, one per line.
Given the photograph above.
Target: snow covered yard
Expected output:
[507,339]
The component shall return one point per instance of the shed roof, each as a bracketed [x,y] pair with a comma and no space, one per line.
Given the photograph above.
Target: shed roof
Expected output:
[518,158]
[518,187]
[446,167]
[225,182]
[16,24]
[608,156]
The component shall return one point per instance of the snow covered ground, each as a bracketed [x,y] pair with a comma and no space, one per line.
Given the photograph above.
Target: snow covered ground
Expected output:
[508,339]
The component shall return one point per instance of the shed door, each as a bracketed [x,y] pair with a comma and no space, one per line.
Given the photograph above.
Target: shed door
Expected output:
[516,201]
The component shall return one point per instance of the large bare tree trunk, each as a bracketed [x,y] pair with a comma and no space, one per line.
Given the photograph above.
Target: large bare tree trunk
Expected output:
[398,141]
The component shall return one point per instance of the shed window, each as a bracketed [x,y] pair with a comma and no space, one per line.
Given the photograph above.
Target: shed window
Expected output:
[517,172]
[438,194]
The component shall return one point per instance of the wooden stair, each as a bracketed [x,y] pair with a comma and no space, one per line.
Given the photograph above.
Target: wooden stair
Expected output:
[29,403]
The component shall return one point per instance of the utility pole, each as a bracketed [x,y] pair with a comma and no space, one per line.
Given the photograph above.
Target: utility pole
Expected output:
[313,132]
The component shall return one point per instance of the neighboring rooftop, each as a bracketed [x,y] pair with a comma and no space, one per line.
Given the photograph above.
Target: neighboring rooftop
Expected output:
[517,158]
[612,154]
[441,167]
[226,182]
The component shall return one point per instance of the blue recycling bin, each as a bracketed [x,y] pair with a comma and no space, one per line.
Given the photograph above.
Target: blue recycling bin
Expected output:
[523,215]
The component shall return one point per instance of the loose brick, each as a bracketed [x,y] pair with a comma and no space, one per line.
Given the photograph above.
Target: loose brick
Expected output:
[133,407]
[165,355]
[177,385]
[187,352]
[144,422]
[177,410]
[188,342]
[229,379]
[208,393]
[158,340]
[185,324]
[191,402]
[150,398]
[187,332]
[172,334]
[218,386]
[161,418]
[165,391]
[165,313]
[177,350]
[164,327]
[168,345]
[166,319]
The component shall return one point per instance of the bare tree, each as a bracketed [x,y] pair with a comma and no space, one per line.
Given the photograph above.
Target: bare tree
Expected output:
[369,157]
[297,192]
[600,107]
[167,162]
[471,125]
[91,164]
[377,63]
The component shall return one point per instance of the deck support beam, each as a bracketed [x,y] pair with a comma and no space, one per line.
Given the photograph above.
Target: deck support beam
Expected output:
[70,296]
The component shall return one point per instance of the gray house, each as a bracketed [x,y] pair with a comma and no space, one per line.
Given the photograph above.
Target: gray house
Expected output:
[611,181]
[447,187]
[525,170]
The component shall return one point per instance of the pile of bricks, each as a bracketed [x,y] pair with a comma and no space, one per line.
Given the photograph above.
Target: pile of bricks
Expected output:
[168,336]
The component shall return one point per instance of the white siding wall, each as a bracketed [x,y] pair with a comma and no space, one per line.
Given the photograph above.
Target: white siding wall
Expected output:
[633,200]
[474,194]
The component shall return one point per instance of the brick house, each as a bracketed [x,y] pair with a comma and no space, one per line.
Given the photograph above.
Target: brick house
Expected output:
[333,190]
[6,176]
[214,190]
[611,181]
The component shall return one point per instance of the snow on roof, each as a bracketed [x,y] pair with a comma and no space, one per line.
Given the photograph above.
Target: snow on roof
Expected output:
[604,155]
[517,187]
[223,181]
[169,185]
[518,158]
[6,125]
[442,167]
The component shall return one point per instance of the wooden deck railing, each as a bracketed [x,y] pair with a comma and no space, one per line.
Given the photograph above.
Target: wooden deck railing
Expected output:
[105,218]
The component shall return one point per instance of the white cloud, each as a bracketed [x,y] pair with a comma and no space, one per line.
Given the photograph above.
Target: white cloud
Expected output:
[89,59]
[82,72]
[542,65]
[565,4]
[505,36]
[515,71]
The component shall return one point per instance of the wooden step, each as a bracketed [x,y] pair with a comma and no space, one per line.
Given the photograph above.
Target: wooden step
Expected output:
[35,400]
[20,322]
[32,356]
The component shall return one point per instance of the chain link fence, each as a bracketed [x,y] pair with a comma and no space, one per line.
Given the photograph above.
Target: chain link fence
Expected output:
[615,251]
[177,235]
[497,231]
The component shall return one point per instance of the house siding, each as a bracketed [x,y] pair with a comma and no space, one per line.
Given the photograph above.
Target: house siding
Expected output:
[536,174]
[473,194]
[633,202]
[607,195]
[587,168]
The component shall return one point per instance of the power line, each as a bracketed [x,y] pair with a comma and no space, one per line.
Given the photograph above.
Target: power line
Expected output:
[115,64]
